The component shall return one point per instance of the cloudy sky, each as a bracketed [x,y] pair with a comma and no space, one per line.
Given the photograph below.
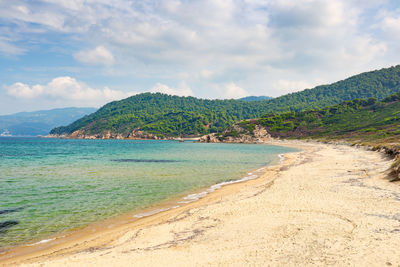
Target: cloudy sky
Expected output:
[58,53]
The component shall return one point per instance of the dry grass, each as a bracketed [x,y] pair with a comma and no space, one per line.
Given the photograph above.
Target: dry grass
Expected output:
[392,150]
[396,167]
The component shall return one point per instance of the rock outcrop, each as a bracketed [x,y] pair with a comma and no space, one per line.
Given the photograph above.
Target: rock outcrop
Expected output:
[238,133]
[136,134]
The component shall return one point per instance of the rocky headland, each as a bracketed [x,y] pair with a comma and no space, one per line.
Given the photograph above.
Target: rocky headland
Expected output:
[241,132]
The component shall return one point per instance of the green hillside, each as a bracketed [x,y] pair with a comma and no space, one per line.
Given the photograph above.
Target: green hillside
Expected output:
[356,120]
[367,122]
[379,84]
[165,115]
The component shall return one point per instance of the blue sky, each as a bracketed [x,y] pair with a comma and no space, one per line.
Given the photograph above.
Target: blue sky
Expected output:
[59,53]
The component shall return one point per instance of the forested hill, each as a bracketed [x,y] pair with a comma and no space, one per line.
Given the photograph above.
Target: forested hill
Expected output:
[164,115]
[358,120]
[379,84]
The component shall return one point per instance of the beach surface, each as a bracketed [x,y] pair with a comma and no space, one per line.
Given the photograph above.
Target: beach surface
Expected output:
[325,205]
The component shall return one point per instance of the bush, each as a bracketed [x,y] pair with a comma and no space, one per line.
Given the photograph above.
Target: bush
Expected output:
[232,133]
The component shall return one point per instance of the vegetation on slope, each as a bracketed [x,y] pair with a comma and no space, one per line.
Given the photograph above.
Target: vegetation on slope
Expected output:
[165,115]
[359,121]
[378,84]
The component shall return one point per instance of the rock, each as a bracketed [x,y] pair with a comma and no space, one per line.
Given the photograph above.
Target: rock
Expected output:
[209,138]
[136,134]
[258,135]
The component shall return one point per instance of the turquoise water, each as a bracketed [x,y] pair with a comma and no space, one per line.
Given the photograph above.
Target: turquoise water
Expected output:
[52,185]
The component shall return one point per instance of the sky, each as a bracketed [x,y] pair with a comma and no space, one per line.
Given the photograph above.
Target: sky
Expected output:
[85,53]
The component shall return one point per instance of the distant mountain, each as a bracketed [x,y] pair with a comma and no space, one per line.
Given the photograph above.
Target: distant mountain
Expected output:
[40,122]
[167,116]
[255,98]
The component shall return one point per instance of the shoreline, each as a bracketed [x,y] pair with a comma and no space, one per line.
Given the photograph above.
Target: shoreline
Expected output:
[179,202]
[329,204]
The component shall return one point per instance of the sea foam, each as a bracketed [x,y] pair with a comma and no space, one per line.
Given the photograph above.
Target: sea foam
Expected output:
[196,196]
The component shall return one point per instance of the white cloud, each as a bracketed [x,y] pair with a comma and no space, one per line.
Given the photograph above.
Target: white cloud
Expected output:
[391,24]
[206,74]
[66,89]
[291,85]
[231,90]
[69,4]
[270,46]
[287,86]
[311,14]
[21,90]
[181,90]
[21,12]
[98,56]
[7,48]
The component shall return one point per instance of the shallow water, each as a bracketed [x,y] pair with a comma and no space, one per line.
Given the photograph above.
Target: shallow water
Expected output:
[51,185]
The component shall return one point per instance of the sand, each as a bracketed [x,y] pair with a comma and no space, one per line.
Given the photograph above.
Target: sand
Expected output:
[326,205]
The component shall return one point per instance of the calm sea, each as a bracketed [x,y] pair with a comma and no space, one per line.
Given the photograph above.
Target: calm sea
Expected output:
[49,186]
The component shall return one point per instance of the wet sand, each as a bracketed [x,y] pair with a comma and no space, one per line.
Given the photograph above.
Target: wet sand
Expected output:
[326,205]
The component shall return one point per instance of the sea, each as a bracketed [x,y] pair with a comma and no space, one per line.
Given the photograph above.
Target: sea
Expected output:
[50,186]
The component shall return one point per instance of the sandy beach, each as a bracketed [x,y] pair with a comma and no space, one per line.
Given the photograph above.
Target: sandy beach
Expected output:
[326,205]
